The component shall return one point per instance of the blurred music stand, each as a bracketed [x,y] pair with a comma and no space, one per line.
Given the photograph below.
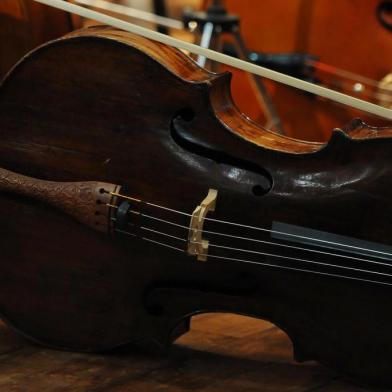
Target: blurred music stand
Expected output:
[212,25]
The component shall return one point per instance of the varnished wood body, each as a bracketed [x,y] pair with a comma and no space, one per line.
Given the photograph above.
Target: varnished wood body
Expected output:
[300,26]
[110,114]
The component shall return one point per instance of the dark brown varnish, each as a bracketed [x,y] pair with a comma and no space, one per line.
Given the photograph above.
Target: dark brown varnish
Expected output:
[106,106]
[87,202]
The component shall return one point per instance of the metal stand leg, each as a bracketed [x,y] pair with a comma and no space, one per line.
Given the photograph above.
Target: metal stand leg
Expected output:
[212,24]
[273,120]
[205,42]
[160,9]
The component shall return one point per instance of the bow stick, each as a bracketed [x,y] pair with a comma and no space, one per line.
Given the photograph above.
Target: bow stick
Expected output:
[222,58]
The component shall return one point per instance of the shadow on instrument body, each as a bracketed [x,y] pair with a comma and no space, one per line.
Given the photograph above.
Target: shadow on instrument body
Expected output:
[167,133]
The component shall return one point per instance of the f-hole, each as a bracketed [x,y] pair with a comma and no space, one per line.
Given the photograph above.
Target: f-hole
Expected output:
[185,140]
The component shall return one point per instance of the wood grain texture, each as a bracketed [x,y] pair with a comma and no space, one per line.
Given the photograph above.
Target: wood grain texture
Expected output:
[153,122]
[222,353]
[87,202]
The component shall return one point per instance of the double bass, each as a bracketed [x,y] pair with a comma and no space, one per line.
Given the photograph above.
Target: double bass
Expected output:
[134,195]
[344,37]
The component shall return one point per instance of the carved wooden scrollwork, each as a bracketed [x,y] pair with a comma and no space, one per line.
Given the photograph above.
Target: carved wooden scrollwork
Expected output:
[86,201]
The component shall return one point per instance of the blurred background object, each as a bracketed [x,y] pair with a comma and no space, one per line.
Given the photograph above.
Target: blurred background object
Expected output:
[25,24]
[345,45]
[354,52]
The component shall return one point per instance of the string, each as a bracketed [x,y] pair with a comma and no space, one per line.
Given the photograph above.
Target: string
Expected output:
[212,245]
[144,228]
[298,269]
[344,73]
[221,58]
[298,236]
[258,240]
[268,242]
[295,269]
[340,244]
[277,243]
[251,251]
[178,25]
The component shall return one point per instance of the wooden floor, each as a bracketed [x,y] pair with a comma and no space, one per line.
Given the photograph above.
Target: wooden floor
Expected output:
[222,353]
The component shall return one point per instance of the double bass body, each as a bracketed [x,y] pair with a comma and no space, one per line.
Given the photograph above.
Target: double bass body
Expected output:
[126,111]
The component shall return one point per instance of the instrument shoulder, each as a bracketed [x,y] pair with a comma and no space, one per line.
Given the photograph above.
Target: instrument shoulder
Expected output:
[216,88]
